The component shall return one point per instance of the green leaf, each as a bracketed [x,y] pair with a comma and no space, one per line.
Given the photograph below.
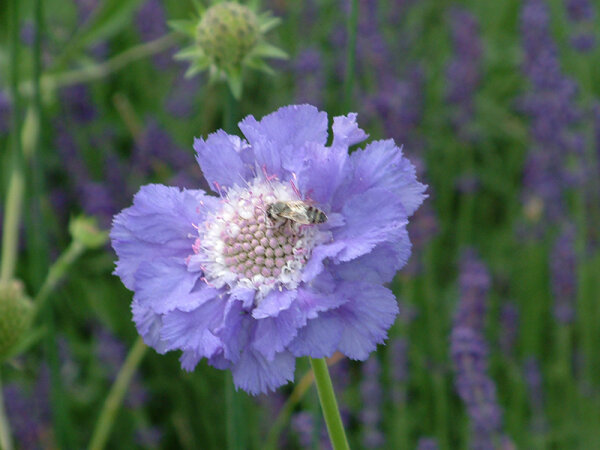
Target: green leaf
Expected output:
[187,27]
[267,22]
[192,52]
[266,50]
[234,79]
[261,65]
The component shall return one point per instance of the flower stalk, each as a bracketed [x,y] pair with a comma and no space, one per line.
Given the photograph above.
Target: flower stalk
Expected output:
[116,395]
[329,406]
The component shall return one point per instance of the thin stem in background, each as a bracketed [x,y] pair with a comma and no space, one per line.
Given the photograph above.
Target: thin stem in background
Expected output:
[329,406]
[52,81]
[10,236]
[37,243]
[115,397]
[351,29]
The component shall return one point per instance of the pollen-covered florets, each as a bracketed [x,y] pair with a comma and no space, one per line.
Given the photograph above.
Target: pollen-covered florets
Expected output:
[239,246]
[249,286]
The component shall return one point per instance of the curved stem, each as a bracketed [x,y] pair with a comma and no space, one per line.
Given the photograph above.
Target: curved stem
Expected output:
[329,406]
[98,71]
[116,395]
[56,272]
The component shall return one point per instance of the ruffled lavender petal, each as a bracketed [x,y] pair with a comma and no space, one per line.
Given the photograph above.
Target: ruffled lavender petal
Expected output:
[277,138]
[382,165]
[322,172]
[191,330]
[355,328]
[273,333]
[158,225]
[224,159]
[165,284]
[346,131]
[371,218]
[255,374]
[148,324]
[275,302]
[378,266]
[369,313]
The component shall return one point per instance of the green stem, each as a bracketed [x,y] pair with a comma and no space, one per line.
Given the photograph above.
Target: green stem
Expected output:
[14,195]
[5,438]
[94,72]
[116,395]
[351,28]
[10,237]
[331,413]
[57,271]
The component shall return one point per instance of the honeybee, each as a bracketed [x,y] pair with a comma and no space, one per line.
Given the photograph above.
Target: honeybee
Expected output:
[294,211]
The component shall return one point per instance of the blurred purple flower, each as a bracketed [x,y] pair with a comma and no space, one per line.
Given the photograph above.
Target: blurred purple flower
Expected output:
[370,413]
[399,369]
[534,382]
[29,412]
[509,327]
[111,353]
[78,104]
[469,353]
[463,73]
[212,278]
[309,76]
[182,96]
[563,266]
[579,10]
[550,104]
[303,424]
[5,113]
[152,24]
[427,443]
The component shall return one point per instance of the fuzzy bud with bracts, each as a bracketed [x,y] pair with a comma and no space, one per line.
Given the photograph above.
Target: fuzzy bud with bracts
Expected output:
[227,37]
[15,315]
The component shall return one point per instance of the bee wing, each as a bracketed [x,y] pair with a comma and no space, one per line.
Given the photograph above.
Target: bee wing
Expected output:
[297,215]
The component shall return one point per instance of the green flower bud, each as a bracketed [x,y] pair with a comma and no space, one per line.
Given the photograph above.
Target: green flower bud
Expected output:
[85,230]
[227,33]
[228,37]
[15,315]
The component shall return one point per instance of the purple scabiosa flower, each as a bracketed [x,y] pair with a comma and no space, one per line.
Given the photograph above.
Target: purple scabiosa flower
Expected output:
[470,355]
[563,265]
[245,279]
[370,414]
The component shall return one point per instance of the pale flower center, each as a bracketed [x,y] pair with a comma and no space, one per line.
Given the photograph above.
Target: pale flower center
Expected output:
[240,246]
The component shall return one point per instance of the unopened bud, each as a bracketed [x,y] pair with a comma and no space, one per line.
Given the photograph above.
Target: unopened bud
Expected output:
[15,315]
[85,230]
[227,32]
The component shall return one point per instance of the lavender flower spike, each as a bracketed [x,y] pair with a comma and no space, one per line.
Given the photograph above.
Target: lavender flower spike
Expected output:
[217,278]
